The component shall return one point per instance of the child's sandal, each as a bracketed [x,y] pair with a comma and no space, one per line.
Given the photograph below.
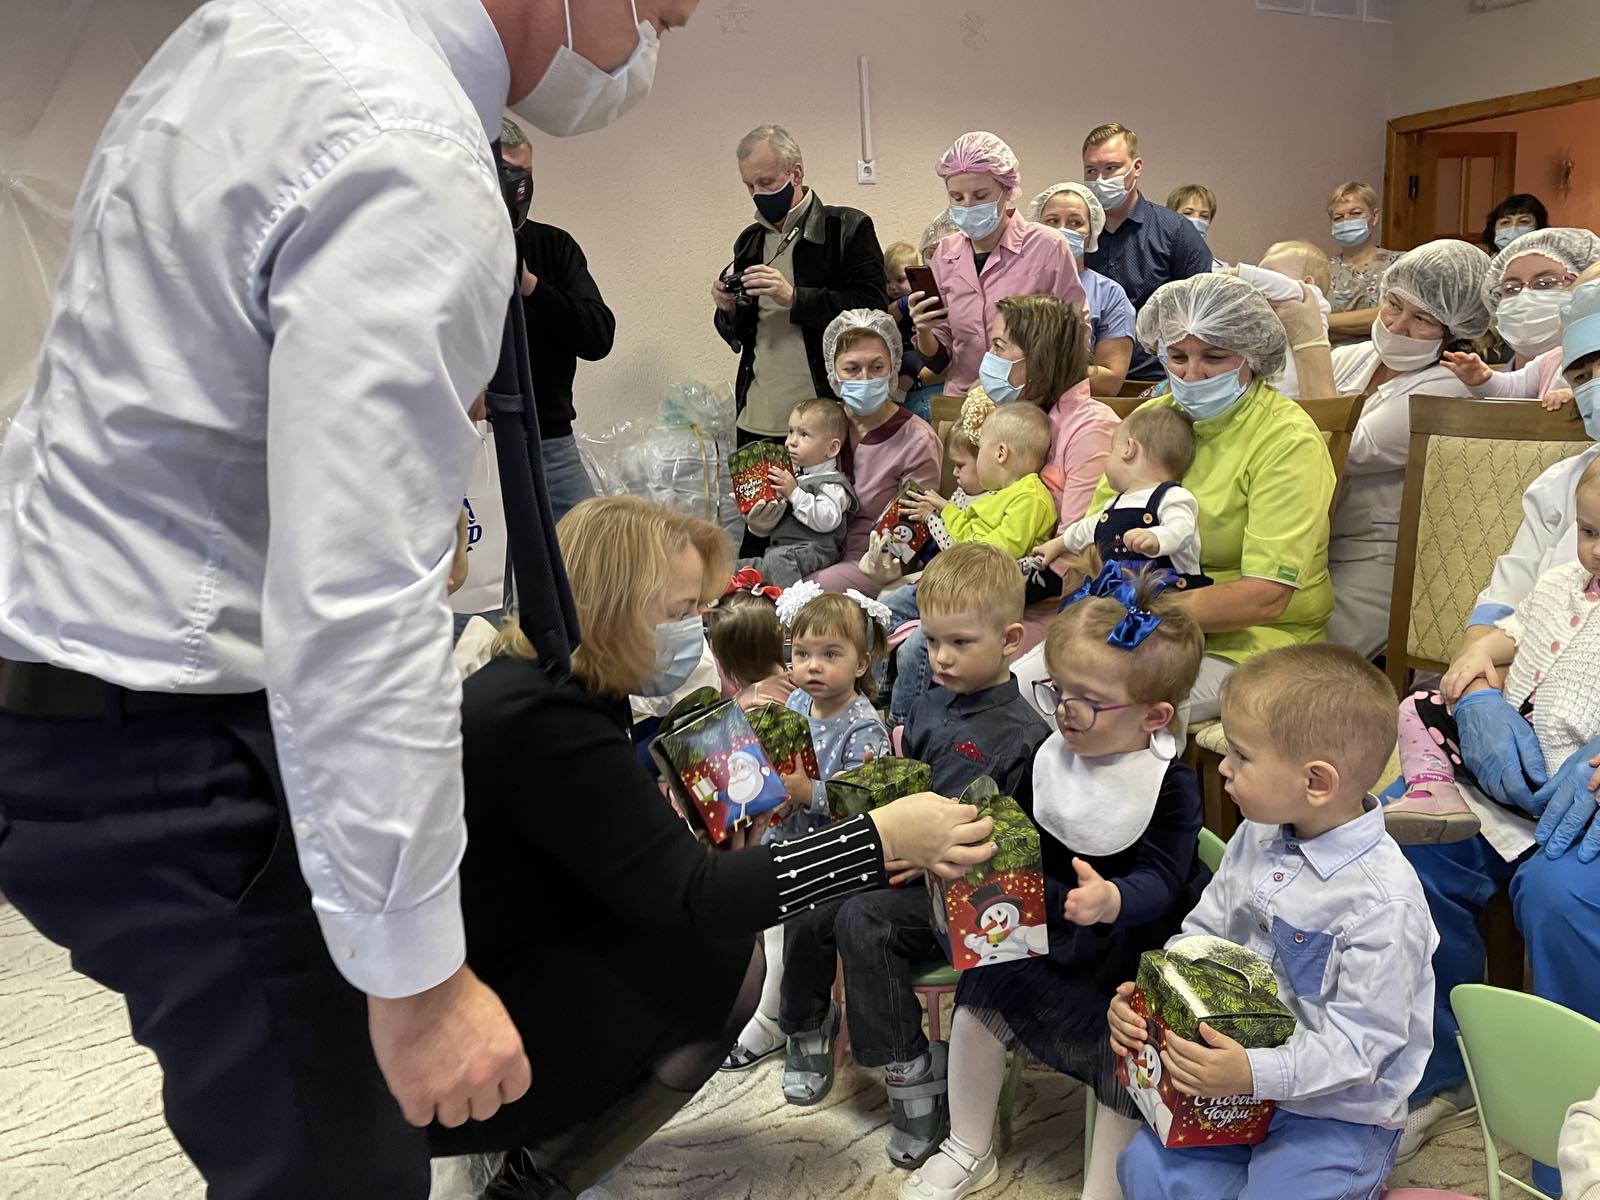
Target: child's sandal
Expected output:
[808,1065]
[981,1172]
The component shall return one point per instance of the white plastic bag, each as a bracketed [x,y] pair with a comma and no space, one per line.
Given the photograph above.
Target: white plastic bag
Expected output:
[484,590]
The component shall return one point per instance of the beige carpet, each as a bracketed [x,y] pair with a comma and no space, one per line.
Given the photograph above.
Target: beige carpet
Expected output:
[80,1117]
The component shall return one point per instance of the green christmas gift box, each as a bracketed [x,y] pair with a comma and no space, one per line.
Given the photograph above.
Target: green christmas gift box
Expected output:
[786,737]
[714,764]
[874,784]
[1233,991]
[995,913]
[749,466]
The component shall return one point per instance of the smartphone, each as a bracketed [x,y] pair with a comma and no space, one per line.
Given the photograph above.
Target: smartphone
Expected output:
[921,280]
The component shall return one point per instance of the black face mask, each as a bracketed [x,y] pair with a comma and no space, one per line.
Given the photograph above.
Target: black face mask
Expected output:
[516,185]
[774,206]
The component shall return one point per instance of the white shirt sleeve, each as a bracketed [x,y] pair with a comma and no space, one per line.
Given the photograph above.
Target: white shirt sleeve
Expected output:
[378,338]
[1548,514]
[1382,440]
[1521,384]
[822,509]
[1179,514]
[1080,534]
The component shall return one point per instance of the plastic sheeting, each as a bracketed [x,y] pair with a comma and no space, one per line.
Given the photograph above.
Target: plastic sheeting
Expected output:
[63,66]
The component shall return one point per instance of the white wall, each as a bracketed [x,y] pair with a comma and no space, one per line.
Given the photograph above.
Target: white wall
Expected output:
[1219,92]
[1445,55]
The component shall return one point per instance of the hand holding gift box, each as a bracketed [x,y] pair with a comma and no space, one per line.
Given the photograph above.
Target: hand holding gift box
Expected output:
[751,467]
[714,764]
[786,737]
[996,912]
[874,784]
[1231,991]
[904,536]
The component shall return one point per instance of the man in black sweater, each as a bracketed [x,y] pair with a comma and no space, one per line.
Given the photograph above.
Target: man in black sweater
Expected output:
[567,320]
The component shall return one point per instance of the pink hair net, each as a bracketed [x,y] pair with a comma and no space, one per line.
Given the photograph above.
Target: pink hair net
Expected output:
[983,153]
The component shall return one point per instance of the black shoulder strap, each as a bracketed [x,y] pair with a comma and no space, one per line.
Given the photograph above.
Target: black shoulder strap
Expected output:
[544,601]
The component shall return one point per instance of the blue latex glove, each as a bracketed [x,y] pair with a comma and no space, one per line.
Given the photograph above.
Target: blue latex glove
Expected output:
[1499,748]
[1569,808]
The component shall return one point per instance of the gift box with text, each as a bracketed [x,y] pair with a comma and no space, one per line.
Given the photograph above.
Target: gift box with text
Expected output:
[714,763]
[749,465]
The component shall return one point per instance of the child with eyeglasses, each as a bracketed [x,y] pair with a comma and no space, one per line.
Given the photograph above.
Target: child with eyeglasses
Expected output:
[1118,817]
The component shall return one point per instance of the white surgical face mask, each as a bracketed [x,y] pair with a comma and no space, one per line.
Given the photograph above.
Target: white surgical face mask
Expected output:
[1530,321]
[1076,239]
[1587,397]
[1401,353]
[575,96]
[1111,192]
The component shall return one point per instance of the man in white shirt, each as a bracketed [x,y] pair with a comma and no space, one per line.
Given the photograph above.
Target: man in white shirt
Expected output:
[224,638]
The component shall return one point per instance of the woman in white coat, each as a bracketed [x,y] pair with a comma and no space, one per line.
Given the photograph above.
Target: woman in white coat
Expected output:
[1429,297]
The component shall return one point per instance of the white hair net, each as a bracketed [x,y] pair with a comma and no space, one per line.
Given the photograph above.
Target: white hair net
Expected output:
[1445,280]
[873,320]
[1222,310]
[940,228]
[1575,249]
[1097,212]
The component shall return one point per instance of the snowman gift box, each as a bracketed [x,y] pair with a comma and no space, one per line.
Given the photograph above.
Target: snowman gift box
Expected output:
[874,784]
[995,913]
[1231,989]
[905,538]
[786,737]
[749,466]
[714,764]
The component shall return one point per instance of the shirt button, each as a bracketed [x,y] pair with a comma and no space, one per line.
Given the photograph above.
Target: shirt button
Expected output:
[302,829]
[1577,621]
[1294,845]
[1277,877]
[1555,647]
[1299,937]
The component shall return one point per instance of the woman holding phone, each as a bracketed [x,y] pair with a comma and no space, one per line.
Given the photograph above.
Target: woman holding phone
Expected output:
[995,253]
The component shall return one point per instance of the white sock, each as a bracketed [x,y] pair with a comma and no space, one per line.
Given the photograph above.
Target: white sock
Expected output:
[772,985]
[1112,1133]
[977,1074]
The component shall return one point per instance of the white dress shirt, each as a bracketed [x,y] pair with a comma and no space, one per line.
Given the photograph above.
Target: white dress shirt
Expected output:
[242,460]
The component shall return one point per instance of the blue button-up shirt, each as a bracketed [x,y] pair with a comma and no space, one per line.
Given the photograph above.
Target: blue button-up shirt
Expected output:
[1152,246]
[1343,920]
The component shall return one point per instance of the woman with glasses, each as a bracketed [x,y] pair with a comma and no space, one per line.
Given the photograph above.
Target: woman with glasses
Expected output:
[1430,302]
[1525,290]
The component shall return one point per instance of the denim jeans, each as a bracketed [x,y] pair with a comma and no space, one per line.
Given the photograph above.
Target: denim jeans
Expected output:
[564,477]
[879,935]
[912,672]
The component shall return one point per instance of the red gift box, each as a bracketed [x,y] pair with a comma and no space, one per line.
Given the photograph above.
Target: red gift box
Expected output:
[750,466]
[906,536]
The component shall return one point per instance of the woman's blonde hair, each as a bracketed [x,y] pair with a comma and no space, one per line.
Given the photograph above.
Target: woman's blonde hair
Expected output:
[835,615]
[1051,335]
[618,551]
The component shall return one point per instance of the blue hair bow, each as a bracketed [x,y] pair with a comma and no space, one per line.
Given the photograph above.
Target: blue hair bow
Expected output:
[1114,583]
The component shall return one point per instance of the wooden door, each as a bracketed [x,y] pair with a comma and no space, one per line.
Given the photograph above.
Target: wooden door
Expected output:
[1457,178]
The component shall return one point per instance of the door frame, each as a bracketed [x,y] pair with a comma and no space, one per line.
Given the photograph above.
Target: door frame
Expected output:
[1404,137]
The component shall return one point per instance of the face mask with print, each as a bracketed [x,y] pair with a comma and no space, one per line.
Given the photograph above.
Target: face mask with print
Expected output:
[1112,191]
[995,375]
[1530,321]
[1507,234]
[1401,353]
[1207,397]
[1587,398]
[978,221]
[575,96]
[679,647]
[864,397]
[1075,239]
[1352,232]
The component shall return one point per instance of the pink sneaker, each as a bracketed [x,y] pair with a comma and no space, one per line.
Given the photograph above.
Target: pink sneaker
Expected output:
[1430,812]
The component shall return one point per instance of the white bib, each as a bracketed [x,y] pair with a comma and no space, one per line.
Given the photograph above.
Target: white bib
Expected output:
[1098,806]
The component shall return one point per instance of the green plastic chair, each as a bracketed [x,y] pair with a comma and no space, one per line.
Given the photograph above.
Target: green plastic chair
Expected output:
[1209,848]
[1528,1061]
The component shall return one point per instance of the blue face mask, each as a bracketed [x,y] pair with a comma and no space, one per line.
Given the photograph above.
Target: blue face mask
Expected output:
[1076,240]
[679,647]
[995,375]
[864,396]
[1587,397]
[1507,234]
[1207,397]
[1200,223]
[1352,232]
[977,222]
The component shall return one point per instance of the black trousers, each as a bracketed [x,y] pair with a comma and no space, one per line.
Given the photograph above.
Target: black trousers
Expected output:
[158,851]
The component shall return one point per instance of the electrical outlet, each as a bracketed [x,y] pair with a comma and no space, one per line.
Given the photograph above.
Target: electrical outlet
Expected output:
[866,171]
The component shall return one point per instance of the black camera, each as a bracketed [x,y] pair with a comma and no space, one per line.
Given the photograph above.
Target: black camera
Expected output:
[733,284]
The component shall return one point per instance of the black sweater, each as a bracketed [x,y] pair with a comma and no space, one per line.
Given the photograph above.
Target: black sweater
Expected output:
[567,320]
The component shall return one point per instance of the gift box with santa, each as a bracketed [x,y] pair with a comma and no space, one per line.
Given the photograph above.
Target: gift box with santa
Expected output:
[874,784]
[751,466]
[995,913]
[905,538]
[1231,989]
[714,764]
[786,737]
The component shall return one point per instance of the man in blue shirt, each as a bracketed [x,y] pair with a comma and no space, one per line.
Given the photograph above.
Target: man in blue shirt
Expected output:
[1143,245]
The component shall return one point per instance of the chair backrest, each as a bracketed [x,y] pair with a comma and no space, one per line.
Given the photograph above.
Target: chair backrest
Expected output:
[1337,418]
[1529,1060]
[1132,389]
[1210,848]
[943,412]
[1121,404]
[1469,463]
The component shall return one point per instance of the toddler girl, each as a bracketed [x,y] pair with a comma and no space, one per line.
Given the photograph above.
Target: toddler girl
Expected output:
[746,639]
[1551,645]
[1118,815]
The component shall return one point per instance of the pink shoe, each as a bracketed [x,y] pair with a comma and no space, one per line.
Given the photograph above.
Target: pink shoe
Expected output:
[1431,812]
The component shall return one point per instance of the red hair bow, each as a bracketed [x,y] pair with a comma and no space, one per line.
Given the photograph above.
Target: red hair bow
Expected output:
[748,579]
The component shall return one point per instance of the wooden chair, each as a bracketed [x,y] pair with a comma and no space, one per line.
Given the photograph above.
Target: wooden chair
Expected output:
[1133,388]
[945,411]
[1337,418]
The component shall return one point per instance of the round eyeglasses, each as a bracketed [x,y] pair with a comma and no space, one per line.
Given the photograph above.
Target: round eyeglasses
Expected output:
[1074,712]
[1547,282]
